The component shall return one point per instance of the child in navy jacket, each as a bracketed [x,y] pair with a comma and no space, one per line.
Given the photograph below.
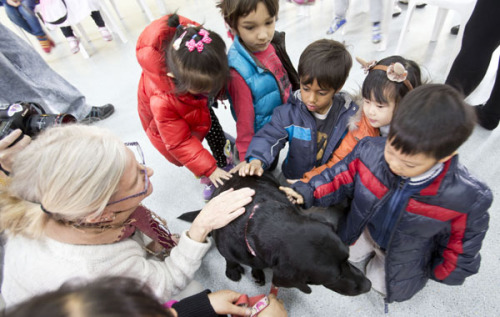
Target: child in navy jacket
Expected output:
[314,120]
[414,206]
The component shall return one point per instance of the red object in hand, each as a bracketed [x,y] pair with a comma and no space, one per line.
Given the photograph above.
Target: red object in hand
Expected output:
[257,303]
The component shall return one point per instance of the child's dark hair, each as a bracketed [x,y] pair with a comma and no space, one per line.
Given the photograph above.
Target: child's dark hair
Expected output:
[327,61]
[433,119]
[111,296]
[232,10]
[200,70]
[377,86]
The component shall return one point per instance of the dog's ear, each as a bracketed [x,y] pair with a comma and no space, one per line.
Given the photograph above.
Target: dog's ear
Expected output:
[189,216]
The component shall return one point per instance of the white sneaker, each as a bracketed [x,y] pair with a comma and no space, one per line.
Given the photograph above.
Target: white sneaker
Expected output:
[74,44]
[106,35]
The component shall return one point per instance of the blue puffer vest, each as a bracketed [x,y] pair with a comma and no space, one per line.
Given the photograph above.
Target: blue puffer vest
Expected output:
[265,90]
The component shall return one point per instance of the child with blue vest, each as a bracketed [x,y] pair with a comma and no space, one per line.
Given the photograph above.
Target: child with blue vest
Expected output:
[259,66]
[416,212]
[314,120]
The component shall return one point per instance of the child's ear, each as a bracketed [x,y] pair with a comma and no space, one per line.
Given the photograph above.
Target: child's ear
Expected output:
[446,158]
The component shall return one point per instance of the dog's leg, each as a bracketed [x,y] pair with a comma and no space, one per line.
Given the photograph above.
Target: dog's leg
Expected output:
[234,271]
[259,277]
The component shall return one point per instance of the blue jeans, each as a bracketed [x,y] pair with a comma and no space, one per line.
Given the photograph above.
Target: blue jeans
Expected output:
[24,17]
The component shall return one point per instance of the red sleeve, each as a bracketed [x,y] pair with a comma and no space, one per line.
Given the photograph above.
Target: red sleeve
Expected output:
[179,141]
[242,102]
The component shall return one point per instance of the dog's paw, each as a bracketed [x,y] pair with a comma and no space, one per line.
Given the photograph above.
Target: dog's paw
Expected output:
[234,271]
[259,277]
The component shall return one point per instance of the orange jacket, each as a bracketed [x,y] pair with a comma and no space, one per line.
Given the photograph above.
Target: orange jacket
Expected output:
[363,128]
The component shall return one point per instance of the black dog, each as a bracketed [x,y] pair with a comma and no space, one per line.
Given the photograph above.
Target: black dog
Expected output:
[273,233]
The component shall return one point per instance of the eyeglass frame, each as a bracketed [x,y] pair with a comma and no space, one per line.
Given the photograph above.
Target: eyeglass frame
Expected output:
[145,171]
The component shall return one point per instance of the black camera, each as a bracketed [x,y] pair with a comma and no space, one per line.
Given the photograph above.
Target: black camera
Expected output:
[30,117]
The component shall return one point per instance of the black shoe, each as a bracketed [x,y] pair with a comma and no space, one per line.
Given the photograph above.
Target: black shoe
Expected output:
[485,119]
[99,113]
[454,29]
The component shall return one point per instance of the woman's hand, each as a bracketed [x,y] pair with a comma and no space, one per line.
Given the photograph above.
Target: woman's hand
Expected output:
[223,303]
[252,168]
[275,308]
[6,153]
[220,211]
[218,176]
[292,195]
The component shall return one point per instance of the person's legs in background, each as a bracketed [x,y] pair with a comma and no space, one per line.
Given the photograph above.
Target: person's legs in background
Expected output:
[106,35]
[339,18]
[23,16]
[470,66]
[73,41]
[27,77]
[376,14]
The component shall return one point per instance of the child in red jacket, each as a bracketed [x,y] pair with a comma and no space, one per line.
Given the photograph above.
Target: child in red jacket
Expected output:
[184,66]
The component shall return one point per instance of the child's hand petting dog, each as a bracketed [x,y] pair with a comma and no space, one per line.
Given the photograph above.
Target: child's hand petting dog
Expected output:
[254,167]
[220,211]
[292,195]
[218,176]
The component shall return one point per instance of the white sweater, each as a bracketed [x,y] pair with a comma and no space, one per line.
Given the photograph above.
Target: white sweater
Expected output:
[36,266]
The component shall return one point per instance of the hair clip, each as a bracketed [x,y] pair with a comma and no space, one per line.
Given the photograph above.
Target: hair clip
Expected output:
[178,41]
[366,66]
[192,44]
[396,72]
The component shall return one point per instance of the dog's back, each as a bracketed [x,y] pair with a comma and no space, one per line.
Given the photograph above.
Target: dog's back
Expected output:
[274,233]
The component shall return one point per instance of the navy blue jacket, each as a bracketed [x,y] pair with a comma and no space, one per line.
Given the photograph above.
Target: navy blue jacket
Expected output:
[437,235]
[293,123]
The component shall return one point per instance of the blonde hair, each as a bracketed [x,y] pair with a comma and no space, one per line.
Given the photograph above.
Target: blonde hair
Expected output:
[72,171]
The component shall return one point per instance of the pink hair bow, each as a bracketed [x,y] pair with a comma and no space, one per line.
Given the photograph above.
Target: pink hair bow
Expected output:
[192,44]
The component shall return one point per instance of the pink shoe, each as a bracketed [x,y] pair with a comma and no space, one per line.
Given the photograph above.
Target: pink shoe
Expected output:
[74,44]
[106,35]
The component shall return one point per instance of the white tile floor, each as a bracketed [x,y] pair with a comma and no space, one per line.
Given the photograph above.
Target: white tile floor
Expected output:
[112,73]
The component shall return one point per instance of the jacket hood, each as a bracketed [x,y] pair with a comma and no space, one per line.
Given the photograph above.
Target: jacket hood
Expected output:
[150,50]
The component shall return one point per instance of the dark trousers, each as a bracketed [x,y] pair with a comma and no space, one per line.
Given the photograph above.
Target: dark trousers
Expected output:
[216,140]
[96,16]
[481,39]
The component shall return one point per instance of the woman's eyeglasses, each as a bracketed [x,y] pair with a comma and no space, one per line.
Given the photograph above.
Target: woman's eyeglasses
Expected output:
[139,156]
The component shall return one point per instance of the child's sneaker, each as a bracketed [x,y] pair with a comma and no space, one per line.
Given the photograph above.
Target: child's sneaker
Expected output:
[74,44]
[106,35]
[335,25]
[376,33]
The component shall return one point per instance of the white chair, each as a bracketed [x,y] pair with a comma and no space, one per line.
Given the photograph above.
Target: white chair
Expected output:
[462,7]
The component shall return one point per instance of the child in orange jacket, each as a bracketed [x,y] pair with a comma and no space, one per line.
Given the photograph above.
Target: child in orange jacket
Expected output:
[387,82]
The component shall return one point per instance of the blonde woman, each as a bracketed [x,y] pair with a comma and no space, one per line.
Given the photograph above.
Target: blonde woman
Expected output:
[72,208]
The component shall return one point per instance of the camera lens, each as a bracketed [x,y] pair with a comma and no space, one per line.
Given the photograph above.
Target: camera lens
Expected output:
[39,122]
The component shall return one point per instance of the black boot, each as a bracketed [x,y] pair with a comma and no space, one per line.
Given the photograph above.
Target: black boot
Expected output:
[487,120]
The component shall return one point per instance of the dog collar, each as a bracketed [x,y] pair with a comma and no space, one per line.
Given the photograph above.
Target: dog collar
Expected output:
[249,247]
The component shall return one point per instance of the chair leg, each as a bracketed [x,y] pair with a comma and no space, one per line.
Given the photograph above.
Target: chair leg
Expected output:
[438,25]
[161,7]
[146,10]
[404,30]
[386,22]
[111,22]
[113,4]
[83,35]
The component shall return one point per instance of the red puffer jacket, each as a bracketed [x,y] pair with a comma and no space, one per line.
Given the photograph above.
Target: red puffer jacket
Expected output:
[175,124]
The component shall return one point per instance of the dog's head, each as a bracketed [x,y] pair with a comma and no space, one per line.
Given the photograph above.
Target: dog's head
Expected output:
[317,256]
